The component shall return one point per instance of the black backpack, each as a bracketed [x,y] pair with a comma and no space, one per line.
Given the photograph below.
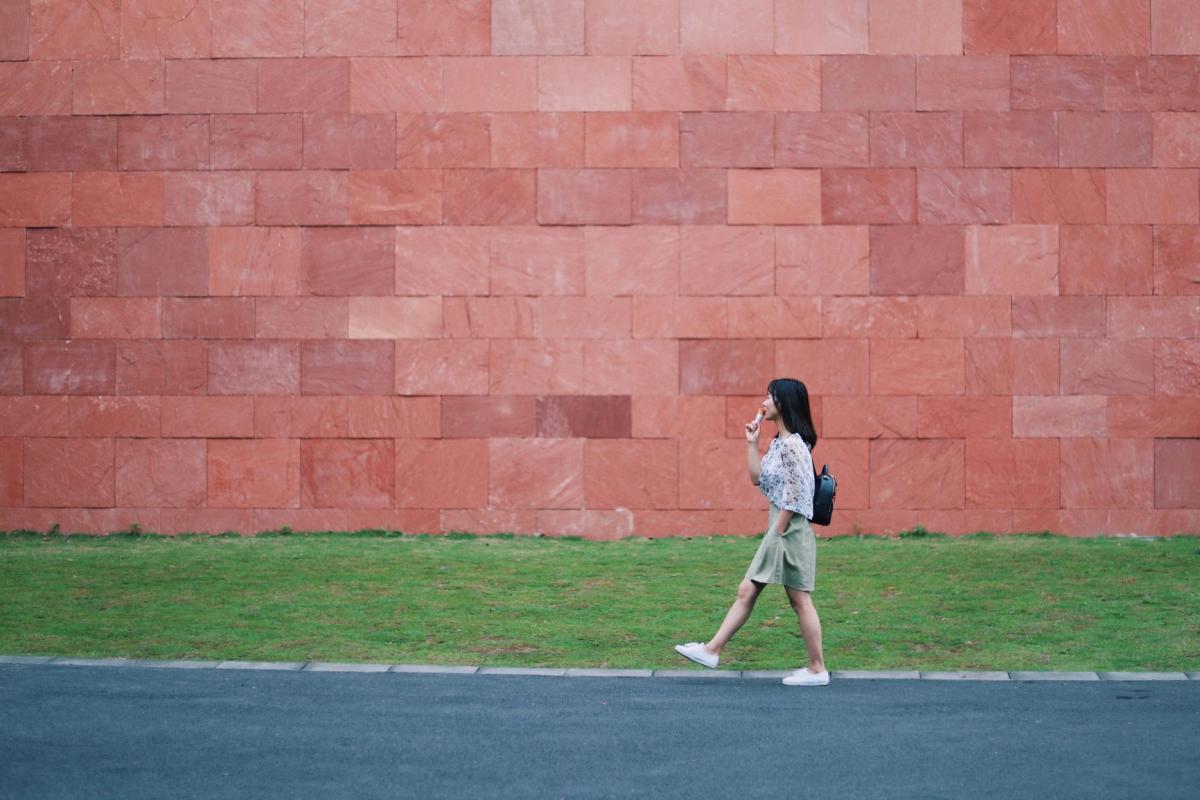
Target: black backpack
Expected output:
[826,490]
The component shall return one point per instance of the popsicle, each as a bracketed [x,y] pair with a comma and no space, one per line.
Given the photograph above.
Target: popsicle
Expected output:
[758,418]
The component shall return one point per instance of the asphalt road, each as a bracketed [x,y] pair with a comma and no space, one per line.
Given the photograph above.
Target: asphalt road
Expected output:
[129,732]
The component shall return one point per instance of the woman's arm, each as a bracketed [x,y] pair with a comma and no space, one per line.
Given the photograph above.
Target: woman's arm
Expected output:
[783,520]
[753,461]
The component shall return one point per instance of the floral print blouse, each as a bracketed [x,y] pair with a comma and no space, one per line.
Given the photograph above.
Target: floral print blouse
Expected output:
[786,475]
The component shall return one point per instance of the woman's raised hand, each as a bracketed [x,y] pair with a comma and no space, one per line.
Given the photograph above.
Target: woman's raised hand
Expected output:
[752,430]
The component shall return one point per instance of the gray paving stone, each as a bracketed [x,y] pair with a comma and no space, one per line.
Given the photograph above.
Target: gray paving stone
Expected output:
[434,668]
[1142,676]
[882,674]
[766,674]
[92,662]
[522,671]
[695,673]
[1195,676]
[276,665]
[964,676]
[25,659]
[609,673]
[143,662]
[1054,676]
[322,666]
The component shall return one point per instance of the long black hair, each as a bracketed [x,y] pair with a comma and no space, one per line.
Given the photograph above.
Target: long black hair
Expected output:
[791,398]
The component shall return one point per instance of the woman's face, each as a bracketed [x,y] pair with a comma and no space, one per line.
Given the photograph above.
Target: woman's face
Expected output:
[772,412]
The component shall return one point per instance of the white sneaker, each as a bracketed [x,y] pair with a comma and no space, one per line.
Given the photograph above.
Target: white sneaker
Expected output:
[696,652]
[803,677]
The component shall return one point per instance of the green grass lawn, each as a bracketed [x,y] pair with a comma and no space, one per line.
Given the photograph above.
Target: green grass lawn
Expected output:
[917,602]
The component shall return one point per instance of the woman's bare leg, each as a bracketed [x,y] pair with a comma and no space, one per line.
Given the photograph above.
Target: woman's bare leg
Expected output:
[737,615]
[810,627]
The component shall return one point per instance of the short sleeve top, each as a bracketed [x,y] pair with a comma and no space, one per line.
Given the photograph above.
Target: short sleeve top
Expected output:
[786,475]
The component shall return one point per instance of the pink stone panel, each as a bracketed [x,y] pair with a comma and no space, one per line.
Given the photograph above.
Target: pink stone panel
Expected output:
[536,366]
[584,83]
[583,317]
[348,261]
[1176,139]
[35,200]
[1058,83]
[341,28]
[1009,26]
[165,29]
[680,317]
[32,88]
[118,87]
[830,366]
[535,473]
[161,368]
[1108,367]
[1106,259]
[786,318]
[441,367]
[349,141]
[774,197]
[115,318]
[163,142]
[484,417]
[917,474]
[74,29]
[441,260]
[162,261]
[247,28]
[114,416]
[401,417]
[438,140]
[971,418]
[868,418]
[302,198]
[726,26]
[70,367]
[916,26]
[594,525]
[346,367]
[537,27]
[1107,473]
[488,317]
[1131,417]
[1054,196]
[821,26]
[673,417]
[951,317]
[679,196]
[868,196]
[62,143]
[735,366]
[632,27]
[1012,259]
[254,261]
[212,417]
[1074,317]
[301,317]
[1104,26]
[1175,27]
[825,260]
[868,83]
[69,473]
[1064,417]
[1104,139]
[964,196]
[115,198]
[34,415]
[638,139]
[294,417]
[909,139]
[488,521]
[380,85]
[11,473]
[687,83]
[727,260]
[254,367]
[1176,259]
[208,198]
[161,473]
[774,83]
[14,33]
[584,197]
[822,139]
[1010,139]
[396,197]
[917,366]
[869,317]
[254,473]
[1153,317]
[73,262]
[741,139]
[911,259]
[1012,473]
[1177,473]
[537,139]
[14,144]
[304,84]
[638,260]
[963,83]
[346,473]
[537,261]
[395,317]
[201,86]
[713,475]
[631,474]
[490,197]
[257,141]
[441,474]
[460,28]
[623,366]
[583,417]
[1177,366]
[12,262]
[1153,196]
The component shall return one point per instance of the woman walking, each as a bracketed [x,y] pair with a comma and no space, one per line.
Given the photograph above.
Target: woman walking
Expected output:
[788,552]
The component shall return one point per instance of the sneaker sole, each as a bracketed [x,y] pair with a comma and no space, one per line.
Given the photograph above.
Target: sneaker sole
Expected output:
[693,659]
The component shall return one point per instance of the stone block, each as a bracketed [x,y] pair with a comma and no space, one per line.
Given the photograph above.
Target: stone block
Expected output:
[728,139]
[441,367]
[632,27]
[917,366]
[712,476]
[307,198]
[970,418]
[396,197]
[774,197]
[1174,28]
[485,417]
[637,139]
[1006,473]
[825,260]
[346,473]
[162,368]
[536,366]
[69,472]
[911,139]
[118,87]
[868,83]
[177,141]
[341,28]
[1106,259]
[291,417]
[584,83]
[167,473]
[1010,139]
[1176,139]
[730,26]
[821,27]
[1009,26]
[350,141]
[631,474]
[1176,366]
[454,139]
[1105,139]
[1153,196]
[245,367]
[917,474]
[115,317]
[490,197]
[773,83]
[380,85]
[304,84]
[639,260]
[488,317]
[217,86]
[542,139]
[301,317]
[1106,473]
[1061,417]
[535,473]
[912,260]
[1054,676]
[254,473]
[1058,83]
[257,28]
[686,83]
[679,196]
[537,261]
[829,366]
[584,197]
[964,196]
[208,198]
[32,88]
[822,139]
[868,196]
[67,144]
[112,198]
[1176,475]
[916,26]
[348,261]
[727,260]
[341,367]
[399,417]
[254,261]
[462,28]
[1116,27]
[1108,367]
[963,83]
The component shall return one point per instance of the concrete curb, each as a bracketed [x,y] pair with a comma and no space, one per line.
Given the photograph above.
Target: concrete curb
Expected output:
[588,672]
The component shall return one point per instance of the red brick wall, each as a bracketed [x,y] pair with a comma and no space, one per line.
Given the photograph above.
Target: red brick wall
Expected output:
[529,264]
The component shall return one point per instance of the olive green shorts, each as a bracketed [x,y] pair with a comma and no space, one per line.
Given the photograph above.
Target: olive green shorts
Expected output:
[790,558]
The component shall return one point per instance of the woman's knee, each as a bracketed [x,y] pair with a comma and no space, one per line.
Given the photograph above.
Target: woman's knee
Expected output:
[799,599]
[748,591]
